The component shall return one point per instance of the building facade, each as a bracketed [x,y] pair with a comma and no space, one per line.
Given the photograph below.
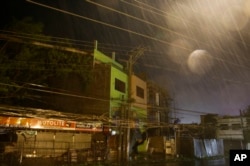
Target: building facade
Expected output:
[139,99]
[157,108]
[127,99]
[231,130]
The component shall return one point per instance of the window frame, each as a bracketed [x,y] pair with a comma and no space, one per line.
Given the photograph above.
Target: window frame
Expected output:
[120,85]
[140,92]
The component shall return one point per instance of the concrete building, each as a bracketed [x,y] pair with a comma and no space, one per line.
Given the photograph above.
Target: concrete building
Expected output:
[114,77]
[36,135]
[158,108]
[139,97]
[113,91]
[231,128]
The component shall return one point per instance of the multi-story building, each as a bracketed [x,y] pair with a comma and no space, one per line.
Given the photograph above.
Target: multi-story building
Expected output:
[124,101]
[109,86]
[231,130]
[208,122]
[112,91]
[158,108]
[127,92]
[139,99]
[117,81]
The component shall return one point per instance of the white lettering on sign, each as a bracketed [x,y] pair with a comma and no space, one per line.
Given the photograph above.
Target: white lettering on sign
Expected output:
[52,123]
[84,125]
[88,125]
[240,157]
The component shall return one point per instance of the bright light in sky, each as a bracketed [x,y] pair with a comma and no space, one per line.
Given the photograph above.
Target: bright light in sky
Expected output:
[200,62]
[199,49]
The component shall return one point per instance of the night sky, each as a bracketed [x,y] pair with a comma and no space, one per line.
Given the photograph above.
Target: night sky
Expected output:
[197,49]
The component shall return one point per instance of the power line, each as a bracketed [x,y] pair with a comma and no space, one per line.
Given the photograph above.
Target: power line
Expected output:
[62,42]
[126,30]
[54,92]
[67,41]
[145,65]
[222,59]
[155,10]
[45,89]
[107,24]
[141,20]
[39,37]
[164,14]
[48,42]
[179,110]
[157,67]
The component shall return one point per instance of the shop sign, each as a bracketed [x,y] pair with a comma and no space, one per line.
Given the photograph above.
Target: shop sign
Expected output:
[89,126]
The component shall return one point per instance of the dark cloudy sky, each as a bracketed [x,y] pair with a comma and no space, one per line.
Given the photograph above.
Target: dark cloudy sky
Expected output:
[197,49]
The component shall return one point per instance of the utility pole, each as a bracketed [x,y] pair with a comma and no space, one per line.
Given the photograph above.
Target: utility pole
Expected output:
[242,127]
[134,55]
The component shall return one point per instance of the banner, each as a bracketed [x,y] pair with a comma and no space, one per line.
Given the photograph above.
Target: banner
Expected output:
[55,124]
[36,123]
[4,121]
[14,122]
[89,126]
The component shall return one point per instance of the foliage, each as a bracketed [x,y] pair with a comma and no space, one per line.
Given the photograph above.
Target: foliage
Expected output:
[246,112]
[26,25]
[25,64]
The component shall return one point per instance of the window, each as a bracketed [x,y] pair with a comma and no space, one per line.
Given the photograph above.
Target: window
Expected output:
[224,127]
[139,92]
[120,85]
[236,126]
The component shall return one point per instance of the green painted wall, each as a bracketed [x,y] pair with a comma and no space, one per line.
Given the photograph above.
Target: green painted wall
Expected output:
[117,97]
[99,56]
[118,72]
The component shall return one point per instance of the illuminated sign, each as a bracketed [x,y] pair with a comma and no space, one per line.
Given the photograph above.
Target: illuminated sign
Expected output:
[4,121]
[36,123]
[14,122]
[41,123]
[89,126]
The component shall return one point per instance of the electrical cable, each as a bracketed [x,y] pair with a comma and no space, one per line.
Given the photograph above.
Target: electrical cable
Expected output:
[104,24]
[155,10]
[120,28]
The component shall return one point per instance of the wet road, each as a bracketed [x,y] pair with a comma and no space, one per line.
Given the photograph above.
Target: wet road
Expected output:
[221,162]
[214,162]
[138,162]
